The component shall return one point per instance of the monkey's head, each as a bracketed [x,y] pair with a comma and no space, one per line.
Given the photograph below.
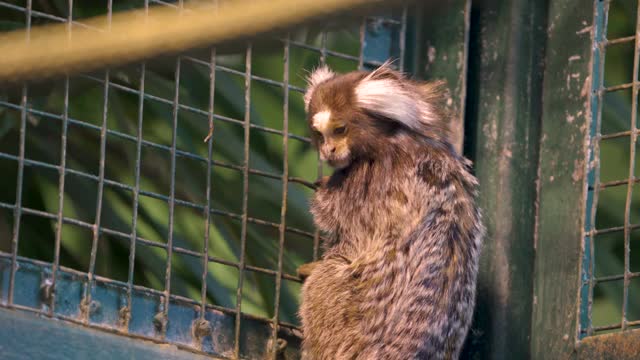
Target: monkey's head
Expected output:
[359,114]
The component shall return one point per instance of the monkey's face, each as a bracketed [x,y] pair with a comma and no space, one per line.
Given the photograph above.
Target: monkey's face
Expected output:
[359,114]
[335,120]
[331,136]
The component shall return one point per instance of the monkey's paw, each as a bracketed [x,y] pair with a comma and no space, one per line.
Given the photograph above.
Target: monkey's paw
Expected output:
[321,182]
[305,270]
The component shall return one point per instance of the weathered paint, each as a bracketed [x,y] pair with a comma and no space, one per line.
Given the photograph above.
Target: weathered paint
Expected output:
[618,346]
[596,82]
[562,179]
[26,336]
[503,118]
[109,298]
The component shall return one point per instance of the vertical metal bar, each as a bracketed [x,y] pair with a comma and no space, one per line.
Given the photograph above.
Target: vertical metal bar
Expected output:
[61,176]
[630,182]
[593,181]
[172,197]
[403,38]
[245,196]
[285,190]
[316,233]
[207,210]
[125,313]
[17,210]
[363,31]
[88,287]
[323,48]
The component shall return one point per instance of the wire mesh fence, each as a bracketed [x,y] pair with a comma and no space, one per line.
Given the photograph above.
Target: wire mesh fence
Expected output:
[611,266]
[115,214]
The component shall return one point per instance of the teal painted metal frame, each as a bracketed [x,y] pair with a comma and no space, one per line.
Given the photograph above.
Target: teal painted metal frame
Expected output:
[40,338]
[597,83]
[594,185]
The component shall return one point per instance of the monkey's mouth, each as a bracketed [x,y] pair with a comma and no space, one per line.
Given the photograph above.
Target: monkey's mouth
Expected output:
[339,163]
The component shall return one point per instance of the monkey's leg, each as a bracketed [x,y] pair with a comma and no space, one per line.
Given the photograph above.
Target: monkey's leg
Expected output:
[329,312]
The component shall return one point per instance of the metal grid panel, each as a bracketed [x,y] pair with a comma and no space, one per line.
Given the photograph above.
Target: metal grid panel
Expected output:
[161,313]
[612,226]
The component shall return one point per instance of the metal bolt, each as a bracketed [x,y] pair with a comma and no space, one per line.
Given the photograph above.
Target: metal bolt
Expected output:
[160,322]
[94,307]
[202,328]
[124,316]
[46,290]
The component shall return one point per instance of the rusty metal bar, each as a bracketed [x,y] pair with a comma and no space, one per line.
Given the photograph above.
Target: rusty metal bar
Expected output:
[162,317]
[614,183]
[619,134]
[614,229]
[618,87]
[602,279]
[621,40]
[245,198]
[283,207]
[125,313]
[61,180]
[88,286]
[632,152]
[207,221]
[403,38]
[320,170]
[586,322]
[17,212]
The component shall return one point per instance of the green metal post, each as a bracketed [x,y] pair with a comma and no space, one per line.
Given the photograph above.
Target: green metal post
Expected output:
[563,146]
[503,123]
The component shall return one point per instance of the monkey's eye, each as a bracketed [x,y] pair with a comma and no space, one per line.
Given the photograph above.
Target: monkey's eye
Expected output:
[340,130]
[318,135]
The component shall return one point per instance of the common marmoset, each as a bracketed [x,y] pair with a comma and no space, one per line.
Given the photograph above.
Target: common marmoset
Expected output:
[398,276]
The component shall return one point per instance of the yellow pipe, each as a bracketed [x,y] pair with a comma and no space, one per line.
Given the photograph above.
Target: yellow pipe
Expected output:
[51,50]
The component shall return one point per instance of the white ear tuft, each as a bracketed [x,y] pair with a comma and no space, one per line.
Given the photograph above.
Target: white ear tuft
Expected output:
[383,69]
[318,76]
[387,97]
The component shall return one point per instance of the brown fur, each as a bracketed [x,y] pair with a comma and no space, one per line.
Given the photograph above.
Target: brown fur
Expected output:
[397,280]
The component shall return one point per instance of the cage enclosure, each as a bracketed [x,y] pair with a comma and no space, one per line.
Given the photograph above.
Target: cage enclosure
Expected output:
[117,218]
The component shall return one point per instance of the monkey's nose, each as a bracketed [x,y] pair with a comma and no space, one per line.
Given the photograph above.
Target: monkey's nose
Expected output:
[332,149]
